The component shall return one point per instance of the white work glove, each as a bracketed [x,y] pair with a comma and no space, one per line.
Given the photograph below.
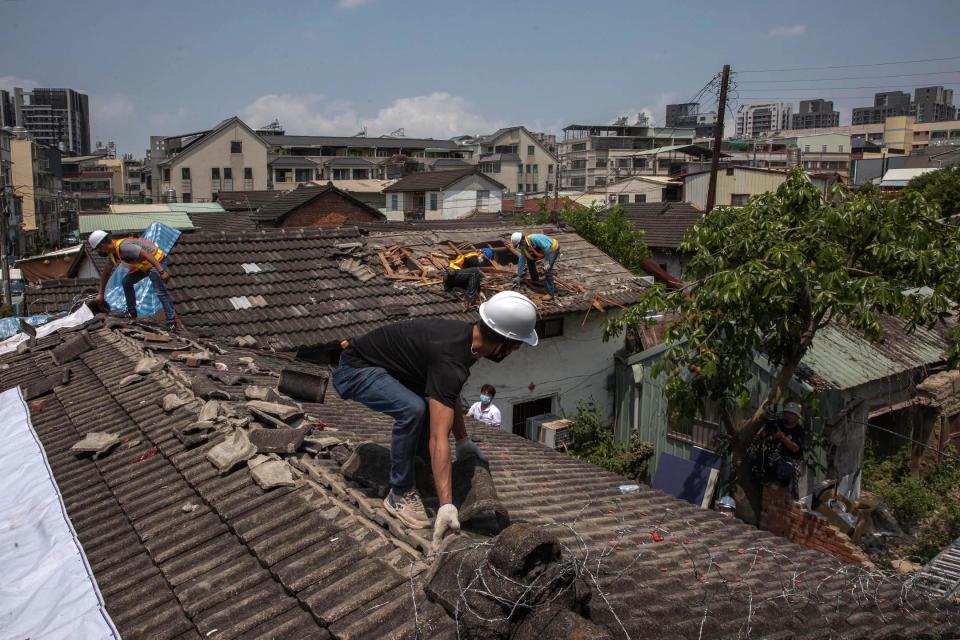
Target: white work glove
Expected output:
[447,520]
[468,447]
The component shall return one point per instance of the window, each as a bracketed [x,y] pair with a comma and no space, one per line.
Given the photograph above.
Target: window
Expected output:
[530,151]
[341,174]
[185,173]
[520,168]
[823,149]
[623,198]
[248,173]
[613,198]
[582,146]
[536,169]
[698,432]
[738,199]
[806,148]
[640,197]
[550,168]
[525,410]
[550,328]
[840,148]
[729,172]
[166,175]
[394,202]
[303,175]
[186,198]
[281,175]
[601,163]
[215,173]
[483,193]
[433,202]
[236,146]
[529,168]
[227,173]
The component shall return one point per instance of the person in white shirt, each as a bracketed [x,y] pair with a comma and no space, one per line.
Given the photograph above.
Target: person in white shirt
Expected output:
[485,411]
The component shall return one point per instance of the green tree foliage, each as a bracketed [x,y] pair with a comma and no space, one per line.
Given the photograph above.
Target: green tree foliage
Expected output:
[926,504]
[939,188]
[766,277]
[592,441]
[610,232]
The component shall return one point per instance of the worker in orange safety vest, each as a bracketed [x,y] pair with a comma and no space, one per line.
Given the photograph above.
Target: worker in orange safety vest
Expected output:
[463,272]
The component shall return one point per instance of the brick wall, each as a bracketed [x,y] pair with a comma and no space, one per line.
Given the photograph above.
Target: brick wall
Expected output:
[327,210]
[781,516]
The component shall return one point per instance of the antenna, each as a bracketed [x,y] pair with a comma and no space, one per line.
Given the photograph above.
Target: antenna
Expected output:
[397,133]
[362,133]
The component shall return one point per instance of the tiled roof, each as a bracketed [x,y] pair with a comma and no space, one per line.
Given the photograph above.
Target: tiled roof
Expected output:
[247,200]
[383,142]
[51,296]
[179,551]
[436,180]
[292,161]
[663,223]
[291,200]
[222,221]
[300,298]
[532,205]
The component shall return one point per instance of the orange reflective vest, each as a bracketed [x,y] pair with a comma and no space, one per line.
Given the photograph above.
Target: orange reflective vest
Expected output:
[457,263]
[531,252]
[140,265]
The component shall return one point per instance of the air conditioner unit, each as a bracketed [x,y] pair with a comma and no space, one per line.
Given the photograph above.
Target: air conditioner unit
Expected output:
[534,422]
[555,434]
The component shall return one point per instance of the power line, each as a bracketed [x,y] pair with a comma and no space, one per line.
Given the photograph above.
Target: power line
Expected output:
[848,66]
[879,86]
[896,75]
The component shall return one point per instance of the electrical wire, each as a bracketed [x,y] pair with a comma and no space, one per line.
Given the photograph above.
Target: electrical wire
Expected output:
[895,75]
[882,86]
[849,66]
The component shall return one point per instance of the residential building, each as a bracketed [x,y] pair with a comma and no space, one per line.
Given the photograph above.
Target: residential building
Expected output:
[289,172]
[595,155]
[754,120]
[443,195]
[664,225]
[682,115]
[94,182]
[518,159]
[867,132]
[933,104]
[817,151]
[905,134]
[815,114]
[195,167]
[57,118]
[8,115]
[37,179]
[643,189]
[134,190]
[355,157]
[368,191]
[309,205]
[10,216]
[736,184]
[885,105]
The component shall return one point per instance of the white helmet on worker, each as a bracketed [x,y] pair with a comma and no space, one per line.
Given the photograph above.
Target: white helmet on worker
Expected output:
[516,238]
[97,237]
[512,315]
[794,408]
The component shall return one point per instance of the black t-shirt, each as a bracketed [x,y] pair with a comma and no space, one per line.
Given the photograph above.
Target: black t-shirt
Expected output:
[431,357]
[797,434]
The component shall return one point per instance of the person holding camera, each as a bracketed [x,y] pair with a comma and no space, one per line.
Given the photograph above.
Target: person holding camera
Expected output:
[779,454]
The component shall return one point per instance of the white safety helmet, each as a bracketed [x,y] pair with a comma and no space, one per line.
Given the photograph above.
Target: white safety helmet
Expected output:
[512,315]
[97,237]
[516,238]
[727,502]
[794,408]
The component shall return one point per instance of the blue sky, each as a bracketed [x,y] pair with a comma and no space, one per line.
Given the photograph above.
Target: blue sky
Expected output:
[447,67]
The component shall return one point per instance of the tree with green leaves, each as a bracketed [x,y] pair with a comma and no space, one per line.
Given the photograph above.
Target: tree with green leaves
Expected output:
[766,277]
[940,188]
[610,232]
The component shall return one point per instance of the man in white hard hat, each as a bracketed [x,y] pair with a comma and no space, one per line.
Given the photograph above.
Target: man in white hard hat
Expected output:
[534,247]
[144,259]
[414,372]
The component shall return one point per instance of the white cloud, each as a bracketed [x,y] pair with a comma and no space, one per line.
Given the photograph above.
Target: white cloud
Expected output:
[9,82]
[655,112]
[439,115]
[351,4]
[111,110]
[791,31]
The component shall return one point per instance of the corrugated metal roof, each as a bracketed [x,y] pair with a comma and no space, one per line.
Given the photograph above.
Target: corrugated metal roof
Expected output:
[173,207]
[133,222]
[844,359]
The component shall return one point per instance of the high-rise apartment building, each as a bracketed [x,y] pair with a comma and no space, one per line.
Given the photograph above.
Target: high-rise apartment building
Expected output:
[682,115]
[815,114]
[933,104]
[58,118]
[753,120]
[885,105]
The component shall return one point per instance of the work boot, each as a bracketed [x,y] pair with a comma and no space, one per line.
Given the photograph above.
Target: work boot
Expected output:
[547,298]
[408,508]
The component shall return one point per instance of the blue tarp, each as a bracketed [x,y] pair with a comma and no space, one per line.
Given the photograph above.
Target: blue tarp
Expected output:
[147,302]
[11,326]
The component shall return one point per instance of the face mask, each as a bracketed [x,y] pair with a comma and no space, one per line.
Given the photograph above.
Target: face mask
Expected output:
[485,399]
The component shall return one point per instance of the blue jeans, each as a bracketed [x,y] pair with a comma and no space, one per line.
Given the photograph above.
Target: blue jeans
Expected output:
[135,276]
[549,260]
[378,390]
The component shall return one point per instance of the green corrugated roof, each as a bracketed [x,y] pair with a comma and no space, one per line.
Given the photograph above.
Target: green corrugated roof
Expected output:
[133,222]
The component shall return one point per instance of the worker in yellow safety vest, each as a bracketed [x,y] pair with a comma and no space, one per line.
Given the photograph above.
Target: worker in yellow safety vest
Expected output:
[144,259]
[533,248]
[463,272]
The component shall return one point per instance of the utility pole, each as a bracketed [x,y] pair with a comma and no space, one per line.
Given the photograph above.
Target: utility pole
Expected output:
[717,137]
[4,257]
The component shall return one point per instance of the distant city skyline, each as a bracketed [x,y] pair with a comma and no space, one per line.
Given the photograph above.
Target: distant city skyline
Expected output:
[337,66]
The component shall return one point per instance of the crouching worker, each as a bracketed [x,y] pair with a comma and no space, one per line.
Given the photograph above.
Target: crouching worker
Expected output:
[414,371]
[145,260]
[463,272]
[534,247]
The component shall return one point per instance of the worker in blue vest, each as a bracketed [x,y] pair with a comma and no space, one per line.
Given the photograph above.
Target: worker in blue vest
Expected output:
[463,272]
[535,247]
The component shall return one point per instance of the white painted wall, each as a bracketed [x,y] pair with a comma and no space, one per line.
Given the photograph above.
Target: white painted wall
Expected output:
[455,204]
[570,368]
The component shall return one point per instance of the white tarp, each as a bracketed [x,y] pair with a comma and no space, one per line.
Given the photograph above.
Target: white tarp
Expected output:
[47,590]
[78,317]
